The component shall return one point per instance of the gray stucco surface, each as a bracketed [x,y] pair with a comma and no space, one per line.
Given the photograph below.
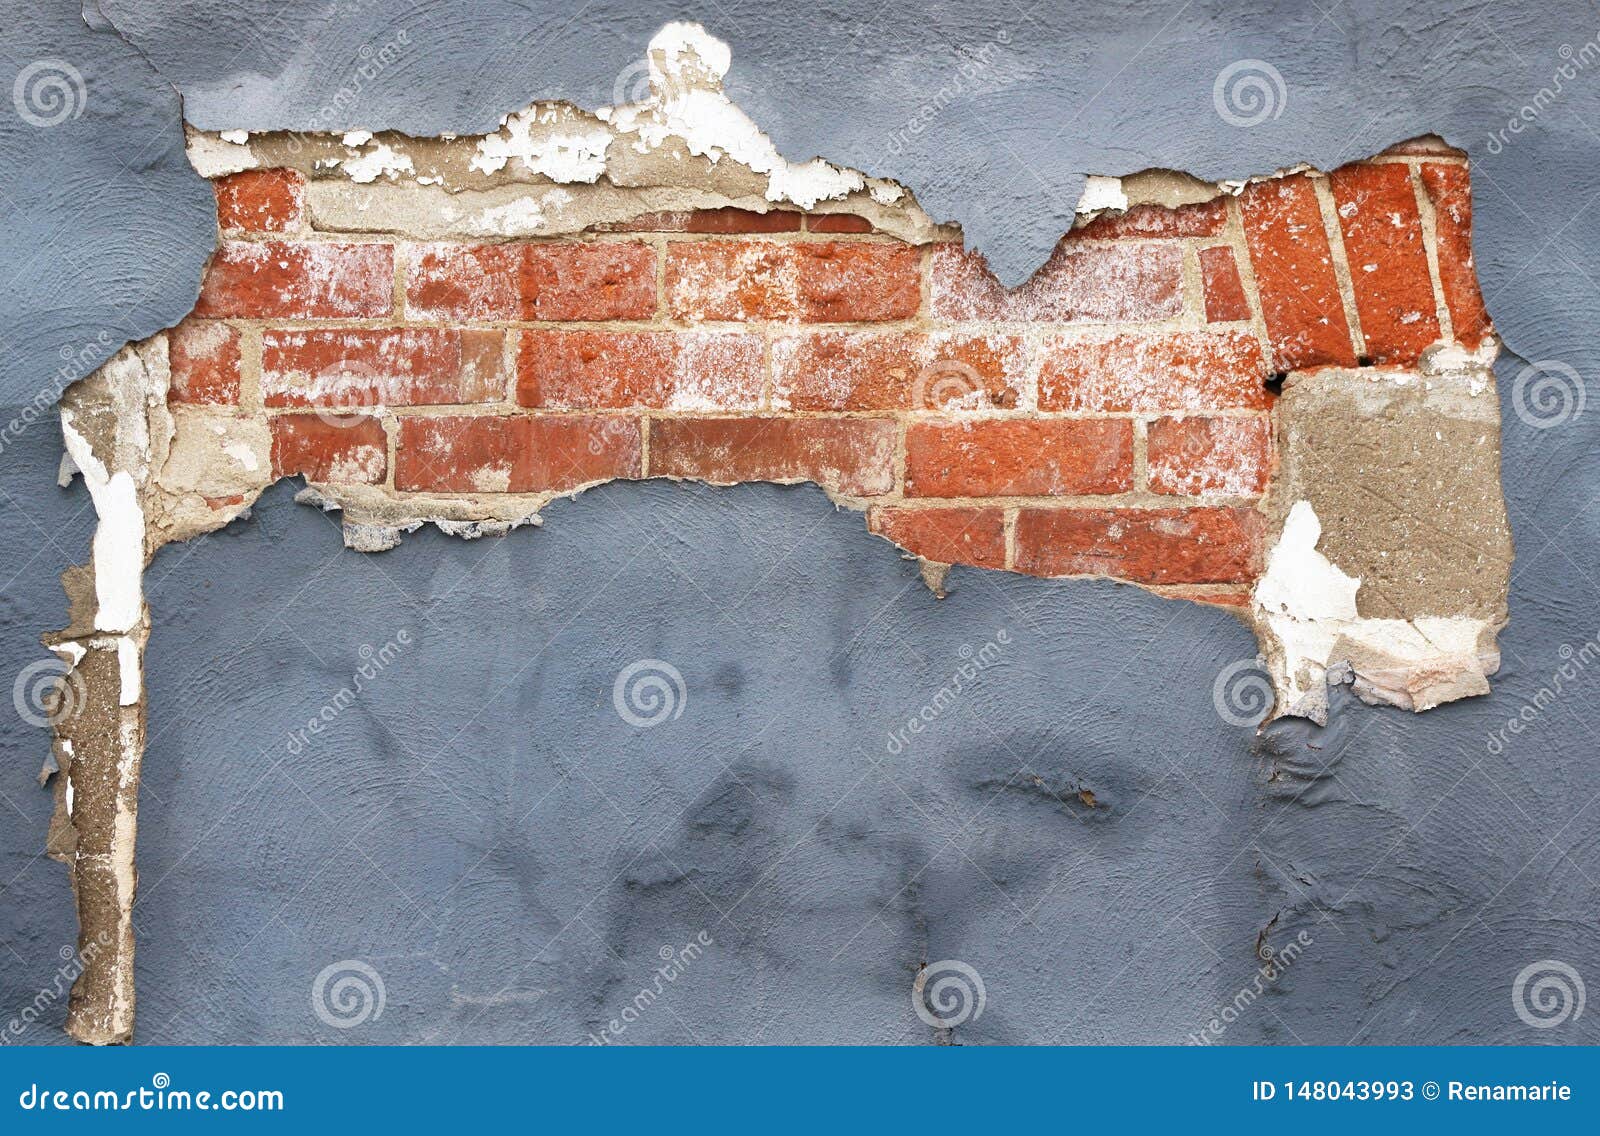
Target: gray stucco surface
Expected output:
[455,819]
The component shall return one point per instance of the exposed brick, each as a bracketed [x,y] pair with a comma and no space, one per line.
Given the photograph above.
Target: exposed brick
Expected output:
[838,223]
[261,201]
[373,367]
[1190,456]
[1427,146]
[1293,266]
[290,280]
[726,220]
[565,281]
[1382,230]
[945,534]
[850,455]
[1153,546]
[822,281]
[521,454]
[349,449]
[1224,290]
[1188,370]
[894,370]
[1205,219]
[586,370]
[1134,283]
[1451,193]
[204,356]
[1019,458]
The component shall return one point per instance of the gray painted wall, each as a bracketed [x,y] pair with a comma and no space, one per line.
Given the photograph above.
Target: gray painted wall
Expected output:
[482,792]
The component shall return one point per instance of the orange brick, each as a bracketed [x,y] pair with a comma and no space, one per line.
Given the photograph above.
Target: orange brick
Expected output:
[1132,283]
[1019,458]
[521,454]
[1206,219]
[290,280]
[946,535]
[850,455]
[1224,291]
[1185,370]
[895,370]
[725,220]
[340,449]
[1451,193]
[1382,230]
[1293,265]
[261,201]
[1190,456]
[821,282]
[1148,546]
[564,281]
[372,367]
[204,356]
[838,223]
[586,370]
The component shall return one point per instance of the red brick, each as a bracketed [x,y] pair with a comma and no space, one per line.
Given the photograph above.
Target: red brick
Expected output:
[522,454]
[340,449]
[1148,546]
[565,281]
[838,223]
[1134,283]
[893,370]
[726,220]
[1185,370]
[946,535]
[1294,274]
[1019,458]
[1382,230]
[586,370]
[372,367]
[1190,456]
[1224,291]
[822,281]
[1220,599]
[850,455]
[1451,193]
[290,280]
[204,357]
[261,201]
[1206,219]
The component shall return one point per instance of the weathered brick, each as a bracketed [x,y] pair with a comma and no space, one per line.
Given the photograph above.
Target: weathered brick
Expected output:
[1449,189]
[389,367]
[945,534]
[1190,456]
[561,281]
[851,455]
[895,370]
[1293,266]
[1382,230]
[261,201]
[1188,370]
[293,280]
[1133,283]
[838,223]
[1019,457]
[820,281]
[1205,219]
[521,454]
[1150,546]
[721,221]
[586,370]
[349,449]
[204,356]
[1224,291]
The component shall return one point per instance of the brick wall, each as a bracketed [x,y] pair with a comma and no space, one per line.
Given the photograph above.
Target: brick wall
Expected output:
[1112,417]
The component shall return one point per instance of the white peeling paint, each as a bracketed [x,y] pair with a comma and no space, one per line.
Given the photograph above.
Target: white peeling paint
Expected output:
[235,137]
[1101,192]
[381,161]
[118,547]
[129,671]
[568,156]
[213,157]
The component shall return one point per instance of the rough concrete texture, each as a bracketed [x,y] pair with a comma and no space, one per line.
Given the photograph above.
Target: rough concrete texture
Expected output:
[1420,889]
